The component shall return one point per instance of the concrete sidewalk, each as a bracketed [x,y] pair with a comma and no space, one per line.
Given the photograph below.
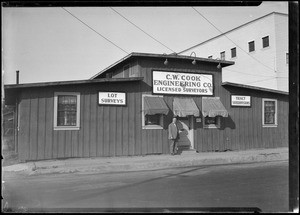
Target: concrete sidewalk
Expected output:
[148,162]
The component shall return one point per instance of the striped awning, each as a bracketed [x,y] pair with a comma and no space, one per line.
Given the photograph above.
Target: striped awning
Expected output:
[183,107]
[212,107]
[155,105]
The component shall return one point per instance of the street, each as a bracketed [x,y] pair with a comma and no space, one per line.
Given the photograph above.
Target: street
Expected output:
[261,185]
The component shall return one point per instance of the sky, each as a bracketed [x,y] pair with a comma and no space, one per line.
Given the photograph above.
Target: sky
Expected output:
[48,44]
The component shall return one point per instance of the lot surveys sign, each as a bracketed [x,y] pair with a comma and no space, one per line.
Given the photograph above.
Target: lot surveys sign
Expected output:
[240,101]
[182,83]
[111,98]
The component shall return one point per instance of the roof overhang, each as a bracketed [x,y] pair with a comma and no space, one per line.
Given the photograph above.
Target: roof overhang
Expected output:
[223,63]
[254,88]
[11,91]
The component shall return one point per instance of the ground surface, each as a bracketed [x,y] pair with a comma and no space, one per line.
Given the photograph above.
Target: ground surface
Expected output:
[262,185]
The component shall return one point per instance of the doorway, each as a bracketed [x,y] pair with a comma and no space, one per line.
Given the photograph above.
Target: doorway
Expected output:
[186,133]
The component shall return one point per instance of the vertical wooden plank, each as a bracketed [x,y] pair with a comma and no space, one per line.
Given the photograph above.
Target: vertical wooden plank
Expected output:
[112,130]
[68,144]
[93,125]
[256,125]
[86,124]
[138,123]
[61,144]
[24,130]
[106,131]
[82,128]
[125,130]
[100,130]
[74,143]
[119,131]
[41,127]
[131,130]
[49,124]
[33,125]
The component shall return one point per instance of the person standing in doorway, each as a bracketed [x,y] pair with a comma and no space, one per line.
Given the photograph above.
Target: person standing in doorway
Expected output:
[173,135]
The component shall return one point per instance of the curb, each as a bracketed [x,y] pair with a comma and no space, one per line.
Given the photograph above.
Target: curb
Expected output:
[89,166]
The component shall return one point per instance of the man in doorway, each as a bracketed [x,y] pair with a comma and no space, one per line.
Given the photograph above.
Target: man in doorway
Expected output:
[173,136]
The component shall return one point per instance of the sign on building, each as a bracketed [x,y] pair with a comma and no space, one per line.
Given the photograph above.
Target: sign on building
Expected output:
[111,98]
[240,101]
[182,83]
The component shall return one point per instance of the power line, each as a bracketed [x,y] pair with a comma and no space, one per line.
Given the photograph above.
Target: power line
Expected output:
[94,30]
[232,40]
[142,30]
[260,80]
[251,74]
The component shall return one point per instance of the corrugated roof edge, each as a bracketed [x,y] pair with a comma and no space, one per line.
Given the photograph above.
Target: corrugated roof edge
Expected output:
[45,84]
[254,88]
[169,56]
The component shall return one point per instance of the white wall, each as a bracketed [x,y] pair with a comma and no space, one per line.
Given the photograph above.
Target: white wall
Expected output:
[259,68]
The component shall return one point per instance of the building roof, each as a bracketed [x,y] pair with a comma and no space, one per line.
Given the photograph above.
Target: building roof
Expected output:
[254,88]
[163,56]
[46,84]
[254,20]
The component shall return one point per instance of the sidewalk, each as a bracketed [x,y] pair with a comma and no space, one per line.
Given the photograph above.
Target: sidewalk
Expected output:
[148,162]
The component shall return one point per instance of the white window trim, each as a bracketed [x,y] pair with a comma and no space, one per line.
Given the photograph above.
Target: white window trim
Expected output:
[263,113]
[161,118]
[231,53]
[77,126]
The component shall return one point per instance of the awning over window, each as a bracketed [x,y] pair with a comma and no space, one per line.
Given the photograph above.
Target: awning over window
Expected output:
[183,107]
[212,107]
[155,105]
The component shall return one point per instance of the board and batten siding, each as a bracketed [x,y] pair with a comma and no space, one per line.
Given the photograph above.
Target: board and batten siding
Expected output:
[104,130]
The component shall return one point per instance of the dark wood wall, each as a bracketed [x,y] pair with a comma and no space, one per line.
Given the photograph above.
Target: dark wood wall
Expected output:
[117,131]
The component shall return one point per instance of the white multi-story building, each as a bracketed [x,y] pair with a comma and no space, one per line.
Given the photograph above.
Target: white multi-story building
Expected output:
[259,49]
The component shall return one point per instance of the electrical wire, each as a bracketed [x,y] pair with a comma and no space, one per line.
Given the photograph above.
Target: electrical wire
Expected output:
[230,40]
[141,29]
[225,70]
[94,30]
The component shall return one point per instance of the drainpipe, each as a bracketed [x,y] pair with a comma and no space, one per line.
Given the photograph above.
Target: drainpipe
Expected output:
[17,77]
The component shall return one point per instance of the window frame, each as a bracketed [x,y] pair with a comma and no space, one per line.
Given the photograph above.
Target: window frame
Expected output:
[222,58]
[161,116]
[234,52]
[253,46]
[68,127]
[263,42]
[217,119]
[286,58]
[275,115]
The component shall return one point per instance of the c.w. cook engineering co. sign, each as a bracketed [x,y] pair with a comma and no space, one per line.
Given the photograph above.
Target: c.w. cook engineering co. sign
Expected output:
[182,83]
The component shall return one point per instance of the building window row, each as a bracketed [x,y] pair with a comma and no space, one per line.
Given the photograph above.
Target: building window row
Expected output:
[67,113]
[251,48]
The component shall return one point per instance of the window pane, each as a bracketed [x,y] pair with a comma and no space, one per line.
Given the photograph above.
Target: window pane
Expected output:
[222,55]
[269,112]
[251,46]
[210,120]
[265,41]
[67,110]
[233,52]
[152,119]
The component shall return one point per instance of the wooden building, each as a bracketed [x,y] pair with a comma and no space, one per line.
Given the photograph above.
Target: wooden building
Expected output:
[125,110]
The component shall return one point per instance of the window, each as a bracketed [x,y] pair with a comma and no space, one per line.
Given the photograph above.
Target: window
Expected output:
[269,112]
[66,111]
[151,121]
[265,41]
[233,52]
[222,55]
[210,57]
[287,58]
[251,46]
[212,122]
